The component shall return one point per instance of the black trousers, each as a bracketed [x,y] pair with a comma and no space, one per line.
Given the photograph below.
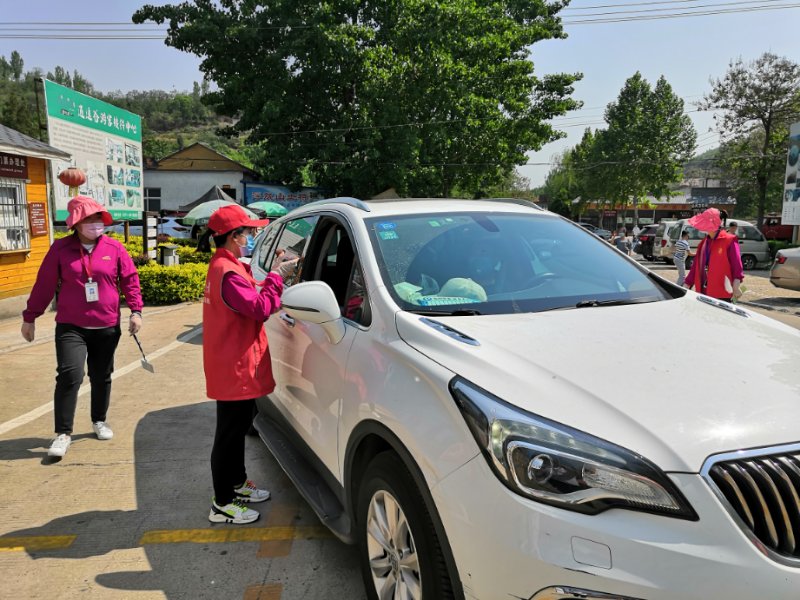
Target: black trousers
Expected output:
[234,418]
[76,346]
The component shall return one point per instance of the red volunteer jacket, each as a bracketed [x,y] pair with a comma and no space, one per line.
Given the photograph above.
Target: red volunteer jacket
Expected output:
[236,356]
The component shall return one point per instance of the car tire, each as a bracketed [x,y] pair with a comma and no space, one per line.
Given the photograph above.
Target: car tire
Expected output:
[412,550]
[689,261]
[748,262]
[667,261]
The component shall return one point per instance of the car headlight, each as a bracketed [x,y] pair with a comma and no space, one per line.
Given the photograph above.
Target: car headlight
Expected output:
[558,465]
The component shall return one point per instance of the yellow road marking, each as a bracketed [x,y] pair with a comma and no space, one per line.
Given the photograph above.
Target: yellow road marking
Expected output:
[280,515]
[36,542]
[271,591]
[247,534]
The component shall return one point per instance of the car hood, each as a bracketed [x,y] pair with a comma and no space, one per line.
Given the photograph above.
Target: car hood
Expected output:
[708,381]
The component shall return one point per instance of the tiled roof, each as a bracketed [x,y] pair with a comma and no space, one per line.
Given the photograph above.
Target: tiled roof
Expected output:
[14,142]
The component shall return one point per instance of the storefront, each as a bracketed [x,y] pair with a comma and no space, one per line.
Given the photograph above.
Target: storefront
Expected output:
[25,224]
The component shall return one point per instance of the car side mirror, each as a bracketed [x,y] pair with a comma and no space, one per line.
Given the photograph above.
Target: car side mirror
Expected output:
[314,302]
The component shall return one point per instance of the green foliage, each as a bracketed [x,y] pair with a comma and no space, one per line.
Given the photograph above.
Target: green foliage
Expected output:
[642,152]
[755,103]
[168,285]
[775,245]
[425,96]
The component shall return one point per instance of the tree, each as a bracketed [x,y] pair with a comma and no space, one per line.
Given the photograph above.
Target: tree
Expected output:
[426,96]
[16,65]
[756,102]
[647,141]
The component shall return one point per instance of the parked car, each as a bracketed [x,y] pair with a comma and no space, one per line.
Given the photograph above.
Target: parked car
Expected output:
[171,226]
[774,229]
[785,272]
[660,250]
[599,232]
[645,239]
[752,245]
[448,398]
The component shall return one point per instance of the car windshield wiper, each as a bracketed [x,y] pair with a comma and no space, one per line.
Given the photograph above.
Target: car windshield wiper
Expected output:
[459,312]
[619,302]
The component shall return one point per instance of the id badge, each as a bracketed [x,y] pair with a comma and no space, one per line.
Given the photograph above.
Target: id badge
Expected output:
[92,292]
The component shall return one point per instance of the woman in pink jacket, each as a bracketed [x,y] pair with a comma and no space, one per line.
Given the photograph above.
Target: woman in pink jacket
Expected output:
[85,271]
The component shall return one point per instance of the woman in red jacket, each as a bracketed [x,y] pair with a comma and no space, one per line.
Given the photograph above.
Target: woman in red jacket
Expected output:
[717,268]
[236,357]
[85,269]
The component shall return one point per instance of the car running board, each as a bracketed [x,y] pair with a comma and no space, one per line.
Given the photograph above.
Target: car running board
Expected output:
[305,478]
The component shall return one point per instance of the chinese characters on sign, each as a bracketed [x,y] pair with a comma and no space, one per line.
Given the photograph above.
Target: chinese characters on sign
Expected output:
[13,166]
[37,217]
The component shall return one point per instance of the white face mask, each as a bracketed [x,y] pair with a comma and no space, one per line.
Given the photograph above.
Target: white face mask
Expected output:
[91,231]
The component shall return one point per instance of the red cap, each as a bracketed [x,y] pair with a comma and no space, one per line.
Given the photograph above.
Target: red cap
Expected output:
[227,218]
[81,207]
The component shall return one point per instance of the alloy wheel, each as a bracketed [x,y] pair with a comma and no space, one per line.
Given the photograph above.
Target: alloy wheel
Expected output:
[393,558]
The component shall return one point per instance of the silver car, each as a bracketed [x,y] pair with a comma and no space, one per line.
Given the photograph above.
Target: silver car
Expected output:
[785,271]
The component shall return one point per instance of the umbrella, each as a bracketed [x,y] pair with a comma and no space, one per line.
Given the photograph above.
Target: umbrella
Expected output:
[272,209]
[200,214]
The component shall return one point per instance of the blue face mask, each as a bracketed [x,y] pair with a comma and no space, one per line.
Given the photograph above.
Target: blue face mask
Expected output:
[251,243]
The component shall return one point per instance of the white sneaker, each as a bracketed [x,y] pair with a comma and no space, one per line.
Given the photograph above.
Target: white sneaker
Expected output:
[250,493]
[102,430]
[60,445]
[235,512]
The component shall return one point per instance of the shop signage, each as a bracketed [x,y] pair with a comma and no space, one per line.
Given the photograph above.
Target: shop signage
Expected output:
[13,166]
[37,217]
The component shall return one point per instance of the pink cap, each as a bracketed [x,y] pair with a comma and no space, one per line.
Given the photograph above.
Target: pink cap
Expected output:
[708,221]
[81,207]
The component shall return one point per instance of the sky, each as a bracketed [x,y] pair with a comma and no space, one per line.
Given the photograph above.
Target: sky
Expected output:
[687,51]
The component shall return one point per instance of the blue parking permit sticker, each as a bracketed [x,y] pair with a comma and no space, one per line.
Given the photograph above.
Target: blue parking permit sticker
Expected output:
[388,235]
[386,226]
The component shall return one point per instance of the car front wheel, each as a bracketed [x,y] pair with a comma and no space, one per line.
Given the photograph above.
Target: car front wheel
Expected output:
[401,557]
[748,262]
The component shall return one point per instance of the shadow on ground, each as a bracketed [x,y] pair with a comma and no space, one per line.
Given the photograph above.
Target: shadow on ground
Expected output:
[173,490]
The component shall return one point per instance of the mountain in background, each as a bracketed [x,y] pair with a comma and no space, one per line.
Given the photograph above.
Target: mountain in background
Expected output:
[170,120]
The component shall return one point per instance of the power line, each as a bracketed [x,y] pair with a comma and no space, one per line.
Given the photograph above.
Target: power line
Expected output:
[677,15]
[714,5]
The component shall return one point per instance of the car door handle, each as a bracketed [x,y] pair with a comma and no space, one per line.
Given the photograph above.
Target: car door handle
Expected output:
[287,319]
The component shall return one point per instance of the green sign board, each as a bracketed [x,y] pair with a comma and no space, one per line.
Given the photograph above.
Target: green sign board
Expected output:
[68,105]
[105,142]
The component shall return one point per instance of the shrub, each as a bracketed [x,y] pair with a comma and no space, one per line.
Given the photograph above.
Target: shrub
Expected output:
[169,285]
[775,245]
[189,255]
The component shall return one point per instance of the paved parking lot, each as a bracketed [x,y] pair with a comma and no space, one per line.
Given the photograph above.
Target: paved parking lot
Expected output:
[127,518]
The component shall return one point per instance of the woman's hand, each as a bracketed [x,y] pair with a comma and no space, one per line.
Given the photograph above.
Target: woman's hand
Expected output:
[284,267]
[28,331]
[737,291]
[134,323]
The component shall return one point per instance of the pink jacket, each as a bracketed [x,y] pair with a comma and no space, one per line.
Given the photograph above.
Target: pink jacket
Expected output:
[111,267]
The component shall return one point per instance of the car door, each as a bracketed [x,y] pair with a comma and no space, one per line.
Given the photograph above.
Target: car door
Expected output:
[311,368]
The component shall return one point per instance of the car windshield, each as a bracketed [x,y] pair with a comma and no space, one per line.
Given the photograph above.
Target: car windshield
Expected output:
[495,263]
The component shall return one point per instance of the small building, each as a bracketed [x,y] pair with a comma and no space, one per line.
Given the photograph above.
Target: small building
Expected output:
[26,230]
[182,177]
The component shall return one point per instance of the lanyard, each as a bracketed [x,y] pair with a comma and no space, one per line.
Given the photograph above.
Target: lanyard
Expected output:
[87,265]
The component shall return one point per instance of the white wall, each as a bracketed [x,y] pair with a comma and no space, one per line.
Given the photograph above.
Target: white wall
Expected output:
[183,187]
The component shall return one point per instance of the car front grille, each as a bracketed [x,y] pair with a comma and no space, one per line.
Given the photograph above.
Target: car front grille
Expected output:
[763,489]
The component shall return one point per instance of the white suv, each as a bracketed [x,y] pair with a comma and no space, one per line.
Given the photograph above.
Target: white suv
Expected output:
[450,398]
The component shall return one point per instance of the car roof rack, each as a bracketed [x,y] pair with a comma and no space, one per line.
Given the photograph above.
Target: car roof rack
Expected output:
[354,202]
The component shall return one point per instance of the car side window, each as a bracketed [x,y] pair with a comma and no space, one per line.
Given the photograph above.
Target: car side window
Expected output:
[265,248]
[293,240]
[695,234]
[356,306]
[750,233]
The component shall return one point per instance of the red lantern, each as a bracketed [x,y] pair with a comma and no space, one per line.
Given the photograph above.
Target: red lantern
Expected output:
[73,178]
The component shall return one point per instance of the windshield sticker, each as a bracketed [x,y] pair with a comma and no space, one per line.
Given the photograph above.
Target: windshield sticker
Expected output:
[387,226]
[434,223]
[388,235]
